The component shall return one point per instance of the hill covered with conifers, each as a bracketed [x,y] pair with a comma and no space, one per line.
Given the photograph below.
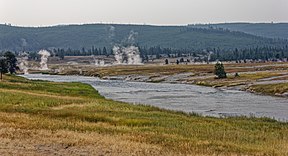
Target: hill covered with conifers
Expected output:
[104,35]
[270,30]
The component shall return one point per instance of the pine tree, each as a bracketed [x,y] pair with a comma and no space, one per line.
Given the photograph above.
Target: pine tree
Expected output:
[166,61]
[104,51]
[11,62]
[220,71]
[3,65]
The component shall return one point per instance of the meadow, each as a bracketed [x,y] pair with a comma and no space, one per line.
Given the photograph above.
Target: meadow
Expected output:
[249,74]
[270,89]
[171,69]
[44,118]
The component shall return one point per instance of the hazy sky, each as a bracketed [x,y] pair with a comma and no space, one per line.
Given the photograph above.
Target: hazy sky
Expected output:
[159,12]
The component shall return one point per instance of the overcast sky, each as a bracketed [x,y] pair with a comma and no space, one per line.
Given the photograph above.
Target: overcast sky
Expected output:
[157,12]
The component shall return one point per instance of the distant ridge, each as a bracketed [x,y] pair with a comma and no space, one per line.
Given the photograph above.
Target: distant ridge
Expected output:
[98,35]
[271,30]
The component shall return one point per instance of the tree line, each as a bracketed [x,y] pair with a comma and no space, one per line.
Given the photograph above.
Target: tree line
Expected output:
[256,53]
[265,53]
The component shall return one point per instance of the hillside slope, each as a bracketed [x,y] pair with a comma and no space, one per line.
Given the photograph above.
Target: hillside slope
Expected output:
[100,35]
[270,30]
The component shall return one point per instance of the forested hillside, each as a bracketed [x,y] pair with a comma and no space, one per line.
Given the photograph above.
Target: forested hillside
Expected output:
[103,35]
[271,30]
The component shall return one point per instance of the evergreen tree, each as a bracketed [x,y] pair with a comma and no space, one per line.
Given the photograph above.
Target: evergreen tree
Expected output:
[220,71]
[166,61]
[104,51]
[83,50]
[33,56]
[157,56]
[11,62]
[3,65]
[93,49]
[61,54]
[8,63]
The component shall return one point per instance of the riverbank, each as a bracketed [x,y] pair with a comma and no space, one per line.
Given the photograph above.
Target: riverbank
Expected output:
[41,117]
[276,89]
[200,74]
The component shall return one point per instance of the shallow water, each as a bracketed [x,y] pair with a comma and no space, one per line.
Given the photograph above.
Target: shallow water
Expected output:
[182,97]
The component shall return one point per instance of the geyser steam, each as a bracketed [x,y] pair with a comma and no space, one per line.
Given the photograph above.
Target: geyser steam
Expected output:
[127,54]
[23,63]
[44,59]
[98,62]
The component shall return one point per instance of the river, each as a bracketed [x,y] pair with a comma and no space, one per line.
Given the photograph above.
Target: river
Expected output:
[206,101]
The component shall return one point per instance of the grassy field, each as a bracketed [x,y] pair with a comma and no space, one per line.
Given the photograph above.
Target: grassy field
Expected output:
[148,70]
[270,89]
[242,79]
[41,117]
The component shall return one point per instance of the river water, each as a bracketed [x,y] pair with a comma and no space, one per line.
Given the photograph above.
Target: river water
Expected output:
[206,101]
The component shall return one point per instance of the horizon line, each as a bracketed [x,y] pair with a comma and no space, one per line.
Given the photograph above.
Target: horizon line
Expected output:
[141,24]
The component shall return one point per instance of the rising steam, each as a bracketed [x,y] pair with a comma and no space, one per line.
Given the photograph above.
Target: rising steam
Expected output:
[129,54]
[125,53]
[23,63]
[44,59]
[98,62]
[111,34]
[24,42]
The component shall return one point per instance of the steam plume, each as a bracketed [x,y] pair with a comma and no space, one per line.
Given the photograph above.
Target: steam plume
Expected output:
[127,54]
[98,62]
[23,63]
[44,59]
[24,42]
[111,33]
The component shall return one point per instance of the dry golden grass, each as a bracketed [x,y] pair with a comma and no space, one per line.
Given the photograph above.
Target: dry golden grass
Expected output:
[243,79]
[33,124]
[270,89]
[168,69]
[17,140]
